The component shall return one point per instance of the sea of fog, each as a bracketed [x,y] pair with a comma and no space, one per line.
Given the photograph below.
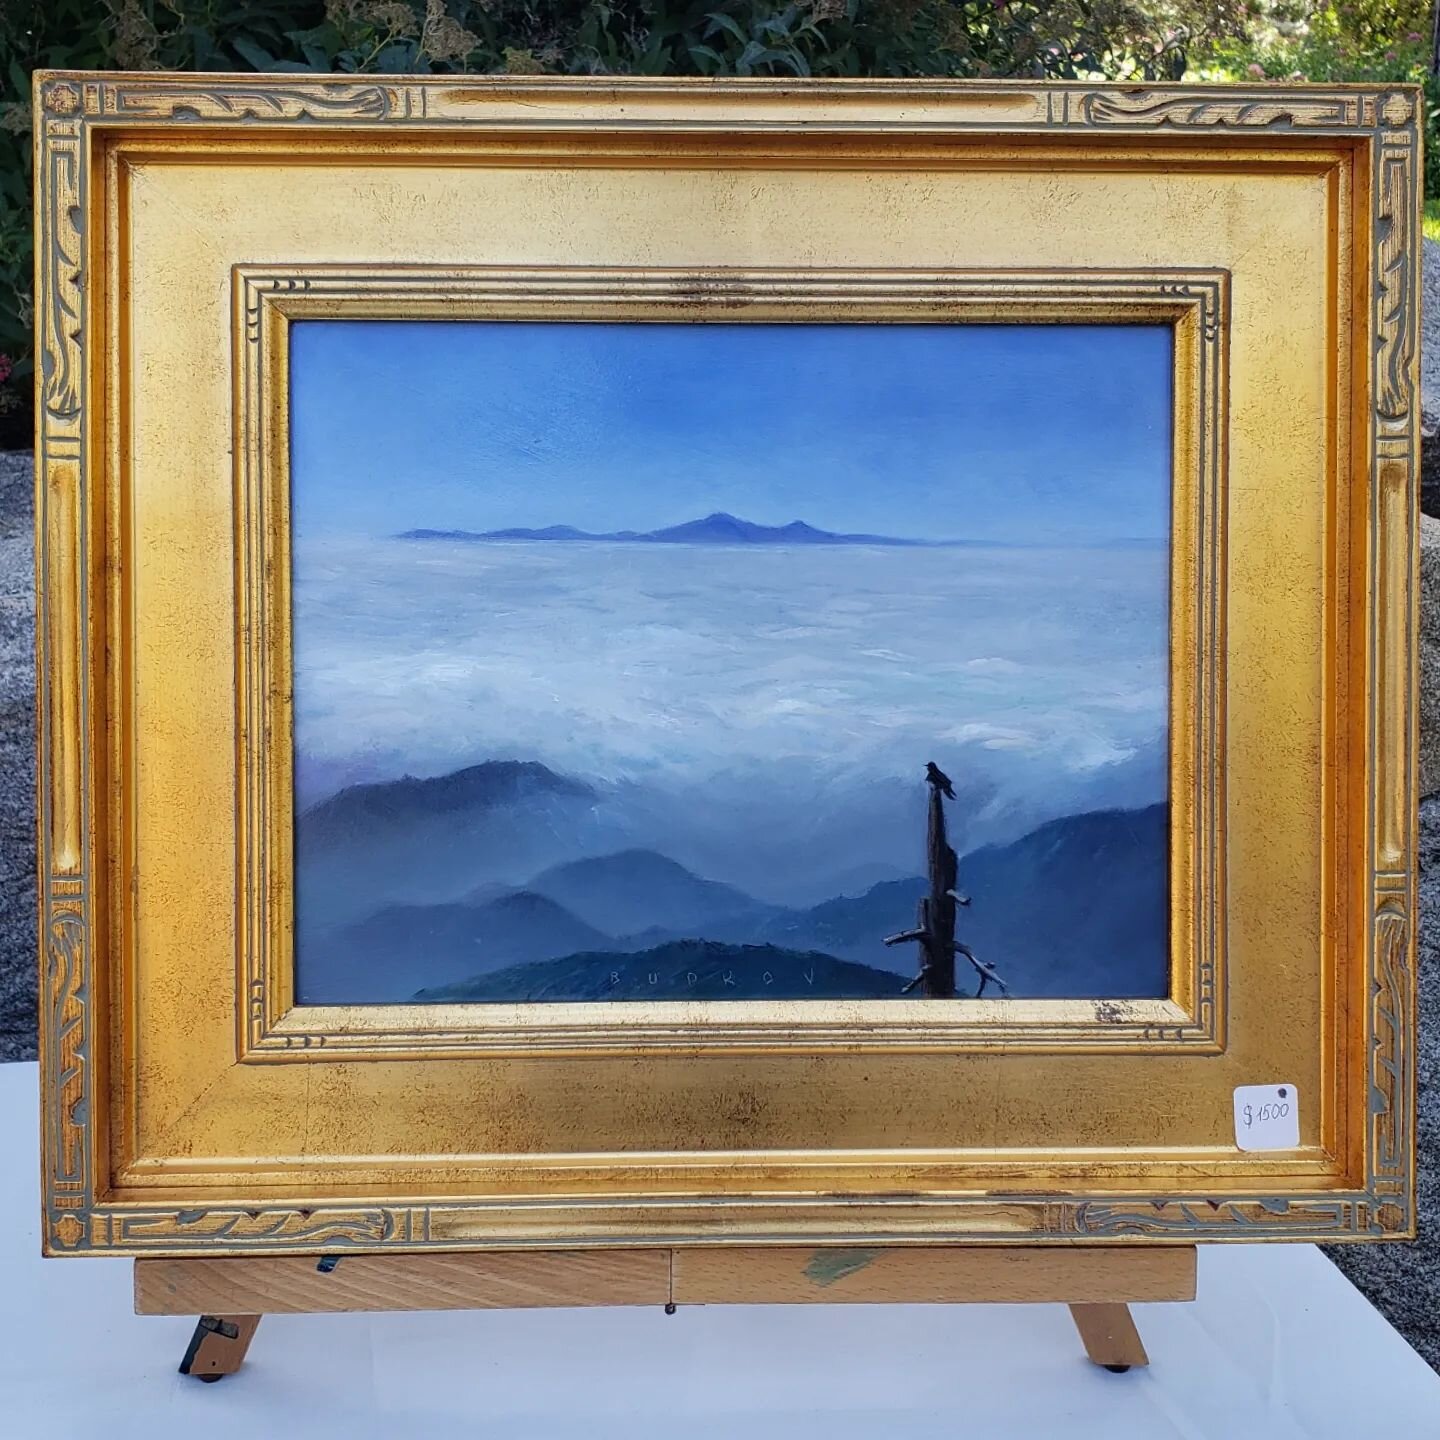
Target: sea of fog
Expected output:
[746,705]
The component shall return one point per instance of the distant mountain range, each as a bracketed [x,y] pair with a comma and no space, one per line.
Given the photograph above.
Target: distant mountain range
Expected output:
[364,809]
[716,529]
[615,904]
[638,890]
[378,960]
[1078,907]
[416,841]
[724,529]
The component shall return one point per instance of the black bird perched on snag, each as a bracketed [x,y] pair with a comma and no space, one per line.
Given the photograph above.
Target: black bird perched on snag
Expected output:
[939,779]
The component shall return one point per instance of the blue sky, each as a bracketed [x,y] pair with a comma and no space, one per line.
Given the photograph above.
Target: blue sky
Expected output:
[996,432]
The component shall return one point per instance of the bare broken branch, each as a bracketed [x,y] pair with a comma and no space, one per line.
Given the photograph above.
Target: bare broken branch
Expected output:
[985,972]
[904,936]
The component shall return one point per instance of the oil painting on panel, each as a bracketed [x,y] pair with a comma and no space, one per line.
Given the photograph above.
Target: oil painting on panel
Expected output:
[729,661]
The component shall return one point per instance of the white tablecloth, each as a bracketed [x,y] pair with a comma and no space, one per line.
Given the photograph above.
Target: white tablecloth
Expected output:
[1279,1346]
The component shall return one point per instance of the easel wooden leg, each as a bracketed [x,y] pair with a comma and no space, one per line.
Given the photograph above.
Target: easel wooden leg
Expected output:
[218,1346]
[1110,1336]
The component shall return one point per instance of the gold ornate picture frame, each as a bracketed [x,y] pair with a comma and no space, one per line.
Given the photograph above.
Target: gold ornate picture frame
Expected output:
[192,1106]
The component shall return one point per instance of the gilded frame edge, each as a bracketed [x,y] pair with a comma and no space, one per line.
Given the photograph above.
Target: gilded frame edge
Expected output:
[266,299]
[1380,122]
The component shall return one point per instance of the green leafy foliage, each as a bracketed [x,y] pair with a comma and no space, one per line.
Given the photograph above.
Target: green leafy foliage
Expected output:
[1126,39]
[1367,41]
[1358,41]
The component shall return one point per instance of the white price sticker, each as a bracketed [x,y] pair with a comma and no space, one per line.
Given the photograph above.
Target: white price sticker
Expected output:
[1267,1117]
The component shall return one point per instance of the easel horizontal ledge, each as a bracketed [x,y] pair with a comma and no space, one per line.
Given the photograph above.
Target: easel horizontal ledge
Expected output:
[720,1275]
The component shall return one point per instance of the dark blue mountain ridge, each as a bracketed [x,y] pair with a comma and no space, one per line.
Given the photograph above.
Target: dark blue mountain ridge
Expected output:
[660,901]
[386,804]
[1076,908]
[717,529]
[678,970]
[421,841]
[634,890]
[1082,903]
[445,943]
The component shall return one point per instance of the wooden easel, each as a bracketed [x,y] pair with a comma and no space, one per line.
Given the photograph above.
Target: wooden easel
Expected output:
[1098,1283]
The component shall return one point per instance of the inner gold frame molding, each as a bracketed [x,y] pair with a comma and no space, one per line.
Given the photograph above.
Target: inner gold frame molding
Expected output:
[1354,1176]
[1193,303]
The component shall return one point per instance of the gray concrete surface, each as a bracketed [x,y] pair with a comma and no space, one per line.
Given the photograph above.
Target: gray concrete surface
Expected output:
[1430,330]
[17,759]
[1403,1281]
[1430,380]
[1429,653]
